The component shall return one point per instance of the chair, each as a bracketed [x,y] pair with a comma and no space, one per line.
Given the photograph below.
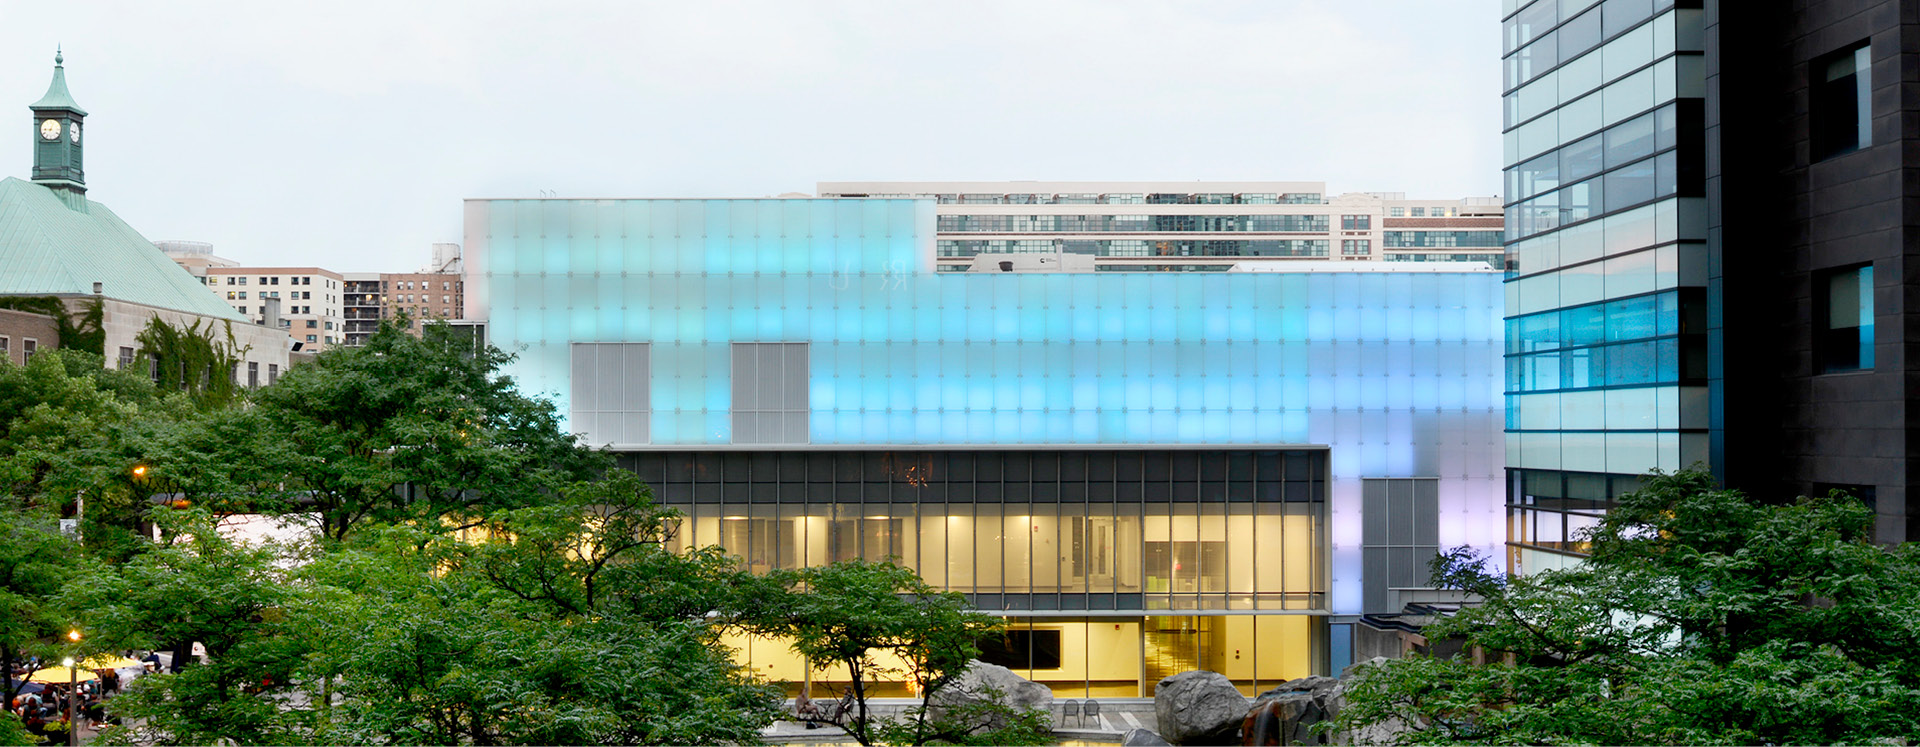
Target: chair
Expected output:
[1069,710]
[1092,711]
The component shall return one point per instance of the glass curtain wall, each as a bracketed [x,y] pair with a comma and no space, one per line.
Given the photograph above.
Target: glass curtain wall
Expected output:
[1229,544]
[1606,259]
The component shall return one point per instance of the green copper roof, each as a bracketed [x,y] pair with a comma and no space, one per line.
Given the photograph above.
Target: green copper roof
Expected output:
[48,248]
[57,96]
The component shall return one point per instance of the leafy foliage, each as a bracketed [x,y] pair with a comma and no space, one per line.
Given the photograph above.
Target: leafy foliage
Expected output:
[859,616]
[478,576]
[35,564]
[201,587]
[1701,617]
[192,359]
[83,334]
[403,429]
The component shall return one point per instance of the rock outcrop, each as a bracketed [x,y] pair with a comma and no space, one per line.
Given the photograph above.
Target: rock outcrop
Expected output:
[1195,708]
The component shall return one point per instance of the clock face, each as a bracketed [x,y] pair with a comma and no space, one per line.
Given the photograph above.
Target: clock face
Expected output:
[74,132]
[50,129]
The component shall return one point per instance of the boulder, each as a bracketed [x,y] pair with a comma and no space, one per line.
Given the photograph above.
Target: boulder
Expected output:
[1199,708]
[1284,719]
[1299,704]
[1315,685]
[1142,738]
[1355,667]
[984,683]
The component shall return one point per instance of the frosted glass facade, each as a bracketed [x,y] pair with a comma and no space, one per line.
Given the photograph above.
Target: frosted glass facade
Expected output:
[1396,374]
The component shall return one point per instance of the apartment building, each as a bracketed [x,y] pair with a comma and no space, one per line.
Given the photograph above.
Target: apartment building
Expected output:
[1192,226]
[307,302]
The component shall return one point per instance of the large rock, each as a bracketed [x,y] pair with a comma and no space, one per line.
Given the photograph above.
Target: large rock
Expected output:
[1298,705]
[1142,738]
[1283,720]
[1199,708]
[1354,668]
[985,682]
[1315,685]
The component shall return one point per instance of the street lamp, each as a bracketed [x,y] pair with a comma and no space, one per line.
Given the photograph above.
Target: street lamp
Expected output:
[73,690]
[73,693]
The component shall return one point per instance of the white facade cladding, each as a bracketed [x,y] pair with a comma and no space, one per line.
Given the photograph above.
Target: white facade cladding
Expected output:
[1086,452]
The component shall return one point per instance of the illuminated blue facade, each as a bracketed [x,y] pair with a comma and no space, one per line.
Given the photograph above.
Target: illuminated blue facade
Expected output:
[1395,374]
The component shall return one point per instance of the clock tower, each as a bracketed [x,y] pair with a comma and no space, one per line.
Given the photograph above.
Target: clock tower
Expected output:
[56,136]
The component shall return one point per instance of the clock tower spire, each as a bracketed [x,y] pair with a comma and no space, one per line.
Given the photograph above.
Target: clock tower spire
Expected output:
[56,135]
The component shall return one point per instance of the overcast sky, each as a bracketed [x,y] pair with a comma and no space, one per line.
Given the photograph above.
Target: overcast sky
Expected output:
[345,133]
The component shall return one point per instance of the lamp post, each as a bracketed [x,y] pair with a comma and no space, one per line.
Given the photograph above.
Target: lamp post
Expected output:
[73,691]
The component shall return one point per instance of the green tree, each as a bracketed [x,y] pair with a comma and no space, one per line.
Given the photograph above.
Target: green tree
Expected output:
[199,586]
[555,630]
[601,549]
[858,616]
[35,564]
[63,422]
[1701,617]
[401,429]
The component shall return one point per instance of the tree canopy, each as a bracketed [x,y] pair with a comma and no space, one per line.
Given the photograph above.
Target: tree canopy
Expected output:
[460,569]
[1701,616]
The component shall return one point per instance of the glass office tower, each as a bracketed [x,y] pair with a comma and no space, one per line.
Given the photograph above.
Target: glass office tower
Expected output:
[1146,473]
[1606,259]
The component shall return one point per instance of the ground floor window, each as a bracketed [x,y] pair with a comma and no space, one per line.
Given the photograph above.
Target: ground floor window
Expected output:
[1135,530]
[1104,657]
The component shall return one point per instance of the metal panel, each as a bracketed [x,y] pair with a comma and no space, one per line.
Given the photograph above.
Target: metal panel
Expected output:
[609,394]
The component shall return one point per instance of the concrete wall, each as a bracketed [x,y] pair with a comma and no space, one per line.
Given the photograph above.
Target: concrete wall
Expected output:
[123,322]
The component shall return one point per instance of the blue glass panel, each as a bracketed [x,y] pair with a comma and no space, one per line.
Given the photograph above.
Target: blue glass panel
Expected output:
[1866,316]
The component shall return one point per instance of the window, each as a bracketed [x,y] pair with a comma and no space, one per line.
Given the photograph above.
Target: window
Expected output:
[243,281]
[276,281]
[1419,212]
[610,390]
[1397,212]
[230,295]
[311,338]
[27,348]
[1356,222]
[273,372]
[1400,533]
[311,324]
[126,358]
[1841,102]
[4,352]
[1038,648]
[243,309]
[253,374]
[770,392]
[1356,247]
[229,280]
[243,295]
[1843,331]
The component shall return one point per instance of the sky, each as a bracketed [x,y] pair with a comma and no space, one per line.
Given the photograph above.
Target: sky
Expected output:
[345,134]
